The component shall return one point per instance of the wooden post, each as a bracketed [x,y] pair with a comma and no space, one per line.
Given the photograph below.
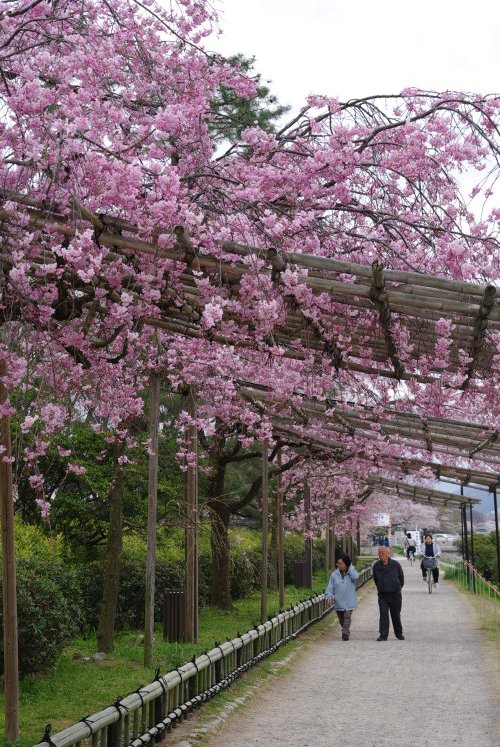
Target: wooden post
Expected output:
[149,608]
[308,540]
[327,545]
[191,545]
[265,528]
[10,646]
[281,544]
[333,541]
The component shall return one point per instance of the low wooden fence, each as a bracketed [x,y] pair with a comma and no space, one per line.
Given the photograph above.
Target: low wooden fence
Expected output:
[149,713]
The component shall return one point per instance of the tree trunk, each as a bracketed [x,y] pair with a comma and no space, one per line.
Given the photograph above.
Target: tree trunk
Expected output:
[220,514]
[114,547]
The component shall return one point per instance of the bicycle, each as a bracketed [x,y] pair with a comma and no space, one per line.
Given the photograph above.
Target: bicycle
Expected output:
[411,556]
[429,564]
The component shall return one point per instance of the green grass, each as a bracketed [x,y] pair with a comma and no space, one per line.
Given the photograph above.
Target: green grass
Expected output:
[487,608]
[74,689]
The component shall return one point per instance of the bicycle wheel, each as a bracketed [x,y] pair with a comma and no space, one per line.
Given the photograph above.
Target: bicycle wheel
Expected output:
[411,559]
[429,580]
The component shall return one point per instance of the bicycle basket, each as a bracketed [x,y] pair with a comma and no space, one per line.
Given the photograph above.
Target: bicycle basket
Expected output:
[429,563]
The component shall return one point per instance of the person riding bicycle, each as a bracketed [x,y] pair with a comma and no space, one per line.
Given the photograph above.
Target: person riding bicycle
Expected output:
[430,549]
[409,545]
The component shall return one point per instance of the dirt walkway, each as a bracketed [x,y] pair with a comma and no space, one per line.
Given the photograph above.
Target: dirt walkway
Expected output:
[436,688]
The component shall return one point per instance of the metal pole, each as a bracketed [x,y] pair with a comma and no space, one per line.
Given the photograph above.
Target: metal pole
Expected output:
[10,645]
[149,611]
[472,559]
[265,529]
[466,542]
[495,505]
[462,528]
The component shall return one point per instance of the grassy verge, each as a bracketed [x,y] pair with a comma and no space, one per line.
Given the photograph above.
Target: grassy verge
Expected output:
[486,607]
[73,689]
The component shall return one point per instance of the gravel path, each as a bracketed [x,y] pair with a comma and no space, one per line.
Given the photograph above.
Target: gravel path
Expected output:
[436,688]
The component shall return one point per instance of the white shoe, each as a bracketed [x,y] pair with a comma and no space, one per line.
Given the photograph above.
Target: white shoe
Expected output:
[435,587]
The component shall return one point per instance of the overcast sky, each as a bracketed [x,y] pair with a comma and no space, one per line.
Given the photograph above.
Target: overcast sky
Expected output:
[362,47]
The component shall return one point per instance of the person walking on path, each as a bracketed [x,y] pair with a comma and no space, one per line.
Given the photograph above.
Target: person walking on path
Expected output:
[341,591]
[389,580]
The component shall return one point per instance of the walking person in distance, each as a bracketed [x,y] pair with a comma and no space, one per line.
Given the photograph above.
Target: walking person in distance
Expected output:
[389,580]
[341,591]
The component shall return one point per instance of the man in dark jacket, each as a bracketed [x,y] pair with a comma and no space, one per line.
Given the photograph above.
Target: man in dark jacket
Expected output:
[389,580]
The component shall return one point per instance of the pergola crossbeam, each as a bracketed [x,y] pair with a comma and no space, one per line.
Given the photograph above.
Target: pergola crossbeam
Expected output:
[419,493]
[480,327]
[381,303]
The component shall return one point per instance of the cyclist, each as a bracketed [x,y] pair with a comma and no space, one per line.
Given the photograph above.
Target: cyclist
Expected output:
[409,545]
[430,550]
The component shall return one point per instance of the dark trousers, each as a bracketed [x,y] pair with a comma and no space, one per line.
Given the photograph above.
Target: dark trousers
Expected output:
[435,572]
[345,617]
[390,603]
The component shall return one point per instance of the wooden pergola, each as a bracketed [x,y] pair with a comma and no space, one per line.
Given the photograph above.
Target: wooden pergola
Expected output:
[370,301]
[298,425]
[373,305]
[456,438]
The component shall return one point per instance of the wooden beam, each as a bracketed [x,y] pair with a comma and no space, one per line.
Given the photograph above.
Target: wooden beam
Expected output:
[308,539]
[9,598]
[149,612]
[191,531]
[265,532]
[491,439]
[281,538]
[327,545]
[381,303]
[480,328]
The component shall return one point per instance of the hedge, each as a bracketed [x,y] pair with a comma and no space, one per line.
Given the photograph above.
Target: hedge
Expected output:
[50,611]
[59,591]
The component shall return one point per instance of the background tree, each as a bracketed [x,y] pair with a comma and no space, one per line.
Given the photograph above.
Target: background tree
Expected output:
[233,113]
